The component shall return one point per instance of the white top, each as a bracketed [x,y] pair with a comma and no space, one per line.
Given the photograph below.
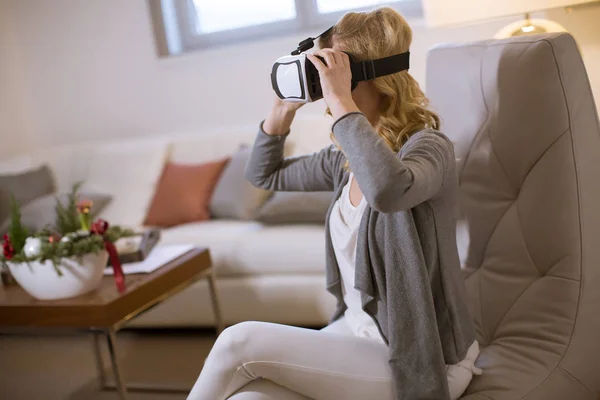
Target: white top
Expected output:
[343,225]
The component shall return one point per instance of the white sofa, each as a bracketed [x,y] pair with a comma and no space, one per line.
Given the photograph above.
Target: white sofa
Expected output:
[269,273]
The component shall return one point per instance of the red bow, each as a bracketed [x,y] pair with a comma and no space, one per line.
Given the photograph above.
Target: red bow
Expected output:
[99,228]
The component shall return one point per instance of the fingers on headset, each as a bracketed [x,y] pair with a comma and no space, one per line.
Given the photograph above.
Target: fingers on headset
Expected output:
[345,59]
[331,55]
[341,58]
[317,63]
[331,60]
[336,57]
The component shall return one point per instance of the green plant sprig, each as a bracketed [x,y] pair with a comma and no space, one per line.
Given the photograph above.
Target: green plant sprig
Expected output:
[67,222]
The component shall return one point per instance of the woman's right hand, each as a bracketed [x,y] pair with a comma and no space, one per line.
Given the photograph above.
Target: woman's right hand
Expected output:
[282,114]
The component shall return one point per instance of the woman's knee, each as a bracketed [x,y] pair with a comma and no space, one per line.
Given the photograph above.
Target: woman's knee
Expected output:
[262,389]
[238,339]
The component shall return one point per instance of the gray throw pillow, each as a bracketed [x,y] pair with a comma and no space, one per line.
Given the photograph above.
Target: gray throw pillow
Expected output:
[26,186]
[40,213]
[296,208]
[234,197]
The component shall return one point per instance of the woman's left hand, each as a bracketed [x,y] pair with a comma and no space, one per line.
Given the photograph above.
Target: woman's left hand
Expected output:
[336,80]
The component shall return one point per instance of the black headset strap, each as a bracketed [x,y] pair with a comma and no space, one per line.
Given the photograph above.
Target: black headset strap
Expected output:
[309,43]
[371,69]
[326,32]
[365,70]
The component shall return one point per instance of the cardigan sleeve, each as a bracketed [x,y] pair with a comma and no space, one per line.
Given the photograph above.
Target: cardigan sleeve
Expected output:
[268,169]
[391,183]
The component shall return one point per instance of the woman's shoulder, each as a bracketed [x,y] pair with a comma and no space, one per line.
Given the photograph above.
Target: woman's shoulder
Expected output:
[429,134]
[428,137]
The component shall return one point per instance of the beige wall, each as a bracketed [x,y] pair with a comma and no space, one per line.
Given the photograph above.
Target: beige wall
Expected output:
[441,14]
[88,69]
[13,127]
[584,24]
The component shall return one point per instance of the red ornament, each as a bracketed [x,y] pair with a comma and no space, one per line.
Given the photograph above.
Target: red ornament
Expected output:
[54,238]
[9,252]
[99,228]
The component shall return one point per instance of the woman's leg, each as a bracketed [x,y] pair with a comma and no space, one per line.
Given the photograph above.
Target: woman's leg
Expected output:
[262,389]
[321,365]
[340,327]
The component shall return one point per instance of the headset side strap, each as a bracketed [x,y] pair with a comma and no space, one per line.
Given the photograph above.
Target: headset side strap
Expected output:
[371,69]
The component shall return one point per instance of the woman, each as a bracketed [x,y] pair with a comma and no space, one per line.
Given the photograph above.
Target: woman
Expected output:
[401,329]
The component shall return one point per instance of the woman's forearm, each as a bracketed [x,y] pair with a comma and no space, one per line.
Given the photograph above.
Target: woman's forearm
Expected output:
[279,121]
[341,107]
[267,168]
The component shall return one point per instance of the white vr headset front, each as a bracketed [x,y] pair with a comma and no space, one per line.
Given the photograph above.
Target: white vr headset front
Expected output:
[295,79]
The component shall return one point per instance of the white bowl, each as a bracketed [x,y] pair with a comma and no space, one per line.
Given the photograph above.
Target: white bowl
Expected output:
[79,276]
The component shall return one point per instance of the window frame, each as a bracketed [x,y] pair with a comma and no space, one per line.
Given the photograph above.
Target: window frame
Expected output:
[176,32]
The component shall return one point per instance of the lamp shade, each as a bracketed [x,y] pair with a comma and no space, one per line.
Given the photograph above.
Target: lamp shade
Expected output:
[456,12]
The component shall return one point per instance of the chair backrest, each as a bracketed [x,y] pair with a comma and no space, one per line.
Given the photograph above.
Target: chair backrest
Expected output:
[525,126]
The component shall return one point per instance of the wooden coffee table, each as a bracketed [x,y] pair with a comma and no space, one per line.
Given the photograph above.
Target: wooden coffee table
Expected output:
[105,311]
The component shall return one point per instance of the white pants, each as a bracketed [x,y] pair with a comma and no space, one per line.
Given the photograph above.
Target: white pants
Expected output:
[264,361]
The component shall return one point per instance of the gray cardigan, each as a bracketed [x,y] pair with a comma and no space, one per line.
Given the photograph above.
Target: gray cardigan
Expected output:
[407,265]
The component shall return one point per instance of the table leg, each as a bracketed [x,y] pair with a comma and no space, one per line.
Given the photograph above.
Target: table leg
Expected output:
[112,344]
[119,385]
[98,356]
[215,303]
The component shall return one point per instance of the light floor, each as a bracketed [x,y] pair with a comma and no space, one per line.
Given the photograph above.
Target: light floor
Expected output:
[61,366]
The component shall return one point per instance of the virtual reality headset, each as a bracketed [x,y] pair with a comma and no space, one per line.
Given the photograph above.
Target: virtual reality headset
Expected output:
[295,78]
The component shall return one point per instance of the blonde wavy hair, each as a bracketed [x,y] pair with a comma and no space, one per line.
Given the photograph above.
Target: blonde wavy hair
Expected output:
[377,34]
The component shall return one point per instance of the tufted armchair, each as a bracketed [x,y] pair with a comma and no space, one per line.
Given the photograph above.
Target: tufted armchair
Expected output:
[522,116]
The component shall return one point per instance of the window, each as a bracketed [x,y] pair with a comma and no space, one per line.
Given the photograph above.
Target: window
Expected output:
[185,25]
[328,6]
[223,15]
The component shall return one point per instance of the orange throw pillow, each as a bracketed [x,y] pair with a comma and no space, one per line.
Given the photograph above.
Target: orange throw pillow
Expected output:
[183,193]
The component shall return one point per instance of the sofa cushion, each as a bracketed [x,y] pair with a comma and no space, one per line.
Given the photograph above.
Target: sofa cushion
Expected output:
[241,248]
[299,300]
[183,193]
[281,249]
[234,196]
[28,185]
[296,208]
[25,187]
[220,236]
